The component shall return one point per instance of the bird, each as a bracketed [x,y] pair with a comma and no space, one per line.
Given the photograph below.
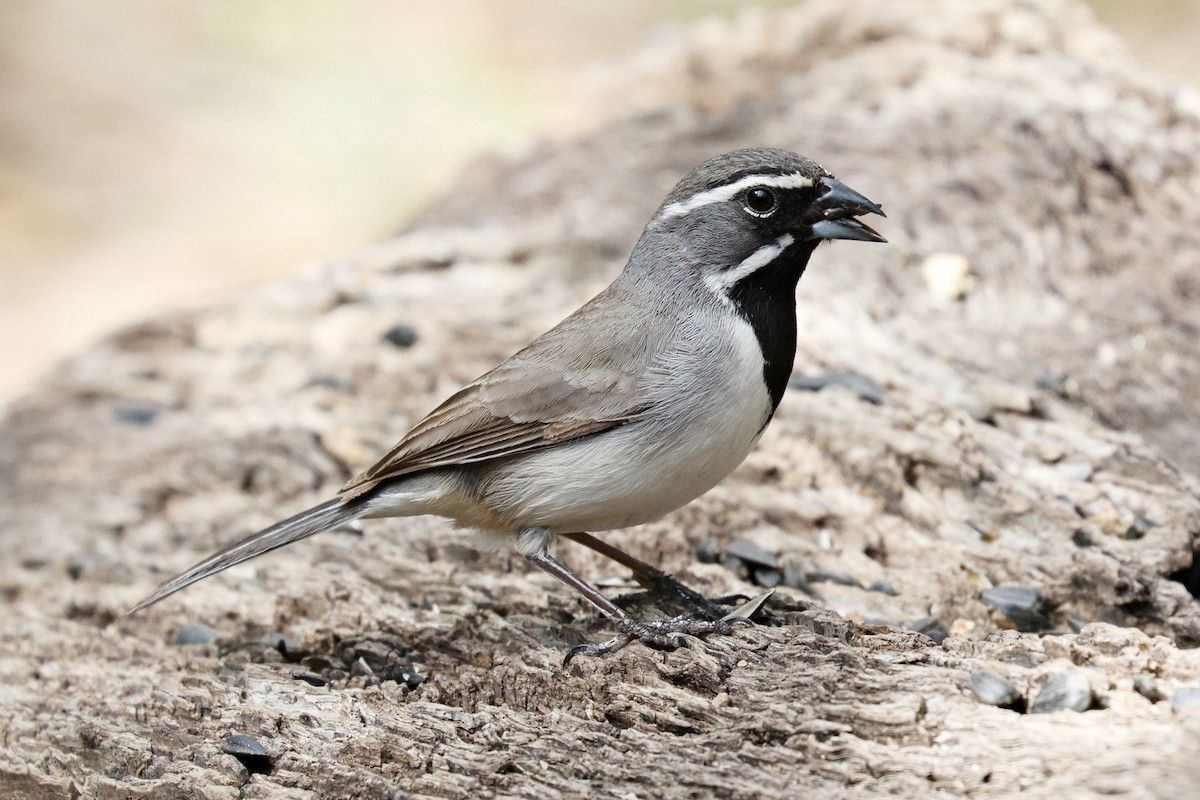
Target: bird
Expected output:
[633,406]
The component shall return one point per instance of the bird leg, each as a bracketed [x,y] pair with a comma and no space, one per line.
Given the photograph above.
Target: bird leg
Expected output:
[659,584]
[665,634]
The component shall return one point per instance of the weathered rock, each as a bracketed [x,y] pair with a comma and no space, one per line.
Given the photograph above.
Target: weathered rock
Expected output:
[1041,431]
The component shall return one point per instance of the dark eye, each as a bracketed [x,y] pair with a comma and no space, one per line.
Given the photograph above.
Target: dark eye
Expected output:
[760,202]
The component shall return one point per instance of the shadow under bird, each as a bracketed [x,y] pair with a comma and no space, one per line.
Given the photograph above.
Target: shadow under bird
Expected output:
[630,408]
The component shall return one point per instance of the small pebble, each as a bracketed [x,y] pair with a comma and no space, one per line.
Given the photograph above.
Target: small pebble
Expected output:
[1187,697]
[962,627]
[794,577]
[931,628]
[401,335]
[860,384]
[309,678]
[709,552]
[947,276]
[1070,691]
[1020,605]
[1078,471]
[241,745]
[411,678]
[882,587]
[751,554]
[1082,537]
[331,382]
[993,689]
[195,633]
[248,751]
[133,414]
[1147,687]
[768,577]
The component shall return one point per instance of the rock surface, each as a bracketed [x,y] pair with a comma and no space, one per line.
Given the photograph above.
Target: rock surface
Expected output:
[1038,431]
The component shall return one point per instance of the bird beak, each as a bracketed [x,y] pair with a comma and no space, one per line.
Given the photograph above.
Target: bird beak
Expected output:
[834,213]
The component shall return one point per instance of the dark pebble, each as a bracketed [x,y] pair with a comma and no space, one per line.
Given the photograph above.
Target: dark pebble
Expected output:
[401,335]
[1187,697]
[883,587]
[860,384]
[993,689]
[794,577]
[330,382]
[1082,537]
[751,554]
[411,678]
[931,628]
[309,678]
[768,578]
[1070,691]
[709,552]
[248,751]
[277,641]
[77,564]
[1147,687]
[195,633]
[133,414]
[1020,605]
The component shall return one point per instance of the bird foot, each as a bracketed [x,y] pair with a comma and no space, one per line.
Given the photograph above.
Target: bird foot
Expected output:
[664,634]
[661,586]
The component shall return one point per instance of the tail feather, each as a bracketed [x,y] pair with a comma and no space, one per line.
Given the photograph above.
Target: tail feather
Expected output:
[307,523]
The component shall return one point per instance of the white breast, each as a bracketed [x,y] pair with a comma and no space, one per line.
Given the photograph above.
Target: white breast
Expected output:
[710,404]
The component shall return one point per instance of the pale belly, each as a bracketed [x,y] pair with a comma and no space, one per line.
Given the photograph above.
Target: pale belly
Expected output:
[616,481]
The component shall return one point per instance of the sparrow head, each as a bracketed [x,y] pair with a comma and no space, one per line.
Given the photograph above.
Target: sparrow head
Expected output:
[758,214]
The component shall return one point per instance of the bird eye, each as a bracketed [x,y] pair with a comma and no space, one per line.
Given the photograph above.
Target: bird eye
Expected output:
[761,202]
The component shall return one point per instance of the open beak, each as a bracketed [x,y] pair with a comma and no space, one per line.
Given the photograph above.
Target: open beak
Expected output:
[834,214]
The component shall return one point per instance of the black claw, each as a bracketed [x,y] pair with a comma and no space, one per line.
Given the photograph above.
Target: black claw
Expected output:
[574,651]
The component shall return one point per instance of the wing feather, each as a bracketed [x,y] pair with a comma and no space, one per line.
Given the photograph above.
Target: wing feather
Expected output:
[559,388]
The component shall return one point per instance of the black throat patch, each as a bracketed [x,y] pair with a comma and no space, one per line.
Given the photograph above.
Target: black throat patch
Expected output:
[767,300]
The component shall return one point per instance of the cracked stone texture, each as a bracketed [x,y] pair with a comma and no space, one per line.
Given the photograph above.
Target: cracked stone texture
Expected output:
[1040,431]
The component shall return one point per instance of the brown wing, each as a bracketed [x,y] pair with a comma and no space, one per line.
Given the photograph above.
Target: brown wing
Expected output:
[559,388]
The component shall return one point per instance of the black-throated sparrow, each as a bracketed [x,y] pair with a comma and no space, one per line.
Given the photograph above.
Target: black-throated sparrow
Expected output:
[634,405]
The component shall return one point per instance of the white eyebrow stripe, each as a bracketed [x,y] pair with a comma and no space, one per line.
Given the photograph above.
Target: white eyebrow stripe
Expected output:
[720,283]
[720,194]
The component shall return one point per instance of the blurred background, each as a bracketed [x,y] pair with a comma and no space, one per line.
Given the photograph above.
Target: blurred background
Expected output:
[155,152]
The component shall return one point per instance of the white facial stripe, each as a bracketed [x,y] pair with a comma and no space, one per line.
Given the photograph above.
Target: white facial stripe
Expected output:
[729,191]
[721,282]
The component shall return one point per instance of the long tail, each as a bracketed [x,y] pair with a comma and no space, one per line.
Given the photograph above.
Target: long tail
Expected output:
[307,523]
